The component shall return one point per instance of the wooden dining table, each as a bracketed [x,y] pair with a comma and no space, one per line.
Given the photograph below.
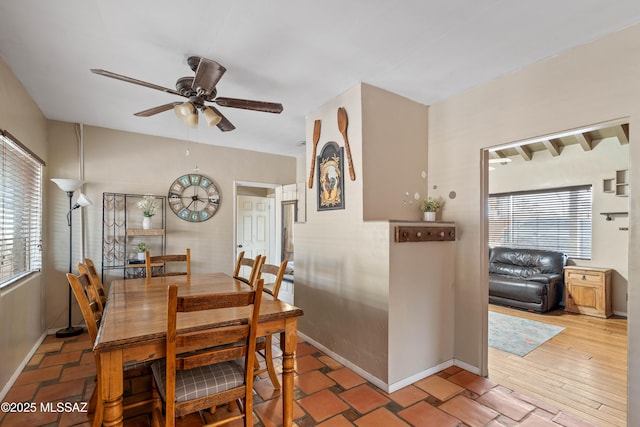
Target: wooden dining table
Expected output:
[134,328]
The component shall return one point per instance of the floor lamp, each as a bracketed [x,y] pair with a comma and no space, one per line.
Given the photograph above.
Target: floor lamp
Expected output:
[69,186]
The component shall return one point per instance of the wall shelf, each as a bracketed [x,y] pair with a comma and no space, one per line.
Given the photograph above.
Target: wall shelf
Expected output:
[622,183]
[609,215]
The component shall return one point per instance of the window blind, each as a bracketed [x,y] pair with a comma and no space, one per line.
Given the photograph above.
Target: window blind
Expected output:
[20,210]
[557,219]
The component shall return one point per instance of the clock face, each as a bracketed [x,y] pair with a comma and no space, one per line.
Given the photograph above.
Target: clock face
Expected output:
[194,197]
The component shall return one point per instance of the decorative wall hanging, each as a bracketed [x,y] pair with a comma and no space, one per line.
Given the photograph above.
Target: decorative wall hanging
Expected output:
[194,197]
[343,122]
[330,177]
[316,138]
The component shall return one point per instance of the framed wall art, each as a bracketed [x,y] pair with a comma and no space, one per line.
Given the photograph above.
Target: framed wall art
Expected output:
[330,177]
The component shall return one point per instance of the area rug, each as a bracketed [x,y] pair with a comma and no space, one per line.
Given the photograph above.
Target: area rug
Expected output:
[518,336]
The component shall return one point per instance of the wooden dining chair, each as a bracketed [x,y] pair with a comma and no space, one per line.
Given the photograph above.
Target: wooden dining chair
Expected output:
[163,260]
[90,269]
[92,314]
[194,376]
[272,276]
[93,293]
[253,264]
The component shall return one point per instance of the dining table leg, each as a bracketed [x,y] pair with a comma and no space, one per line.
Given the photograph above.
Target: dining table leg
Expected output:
[288,342]
[111,383]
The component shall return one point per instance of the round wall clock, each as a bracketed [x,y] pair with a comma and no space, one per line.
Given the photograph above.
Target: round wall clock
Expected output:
[194,197]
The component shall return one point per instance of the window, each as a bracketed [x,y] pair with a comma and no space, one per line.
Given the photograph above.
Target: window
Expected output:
[20,210]
[557,219]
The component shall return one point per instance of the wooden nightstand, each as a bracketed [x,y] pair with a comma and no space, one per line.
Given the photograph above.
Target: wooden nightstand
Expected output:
[588,290]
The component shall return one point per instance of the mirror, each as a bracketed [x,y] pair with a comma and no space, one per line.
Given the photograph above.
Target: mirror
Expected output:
[289,217]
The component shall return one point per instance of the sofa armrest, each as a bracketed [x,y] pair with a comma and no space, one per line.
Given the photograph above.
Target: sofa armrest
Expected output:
[545,278]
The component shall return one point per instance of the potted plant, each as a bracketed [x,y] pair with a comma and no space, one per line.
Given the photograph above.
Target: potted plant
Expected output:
[148,206]
[430,206]
[142,249]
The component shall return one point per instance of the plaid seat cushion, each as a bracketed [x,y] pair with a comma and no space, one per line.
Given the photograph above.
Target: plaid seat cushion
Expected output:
[201,381]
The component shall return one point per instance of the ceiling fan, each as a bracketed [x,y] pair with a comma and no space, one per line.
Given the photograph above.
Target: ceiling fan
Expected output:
[198,90]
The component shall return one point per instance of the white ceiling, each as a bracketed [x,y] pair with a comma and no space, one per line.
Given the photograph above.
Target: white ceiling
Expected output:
[300,53]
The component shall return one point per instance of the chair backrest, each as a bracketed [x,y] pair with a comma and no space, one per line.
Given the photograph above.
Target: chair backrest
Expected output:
[95,279]
[254,266]
[162,260]
[191,349]
[89,268]
[89,304]
[274,277]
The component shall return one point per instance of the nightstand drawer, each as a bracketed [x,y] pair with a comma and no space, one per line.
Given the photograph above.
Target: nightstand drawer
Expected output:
[591,277]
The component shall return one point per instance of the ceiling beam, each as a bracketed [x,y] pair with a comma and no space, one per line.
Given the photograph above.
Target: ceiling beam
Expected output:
[553,147]
[622,133]
[585,141]
[524,151]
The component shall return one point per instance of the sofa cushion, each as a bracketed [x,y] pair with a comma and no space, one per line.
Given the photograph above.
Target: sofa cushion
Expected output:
[514,288]
[524,263]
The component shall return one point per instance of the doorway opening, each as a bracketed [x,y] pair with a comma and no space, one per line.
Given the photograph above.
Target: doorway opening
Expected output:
[255,220]
[597,156]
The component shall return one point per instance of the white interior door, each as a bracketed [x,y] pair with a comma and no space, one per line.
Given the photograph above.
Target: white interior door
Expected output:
[253,226]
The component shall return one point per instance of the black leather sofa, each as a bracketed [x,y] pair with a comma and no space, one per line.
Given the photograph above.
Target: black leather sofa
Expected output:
[526,278]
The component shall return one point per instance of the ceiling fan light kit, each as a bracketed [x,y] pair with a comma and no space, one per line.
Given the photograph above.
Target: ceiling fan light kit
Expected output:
[198,89]
[212,118]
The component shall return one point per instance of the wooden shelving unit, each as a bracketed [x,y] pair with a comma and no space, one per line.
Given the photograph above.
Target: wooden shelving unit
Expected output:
[142,232]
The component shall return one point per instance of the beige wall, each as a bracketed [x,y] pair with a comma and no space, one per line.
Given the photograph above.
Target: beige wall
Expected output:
[593,83]
[341,271]
[610,245]
[22,304]
[353,283]
[421,308]
[394,155]
[123,162]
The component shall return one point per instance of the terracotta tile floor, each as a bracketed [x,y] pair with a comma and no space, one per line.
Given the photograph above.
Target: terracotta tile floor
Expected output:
[327,394]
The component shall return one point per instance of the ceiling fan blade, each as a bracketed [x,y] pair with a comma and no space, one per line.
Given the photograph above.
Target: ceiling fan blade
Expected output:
[246,104]
[134,81]
[156,110]
[225,125]
[208,74]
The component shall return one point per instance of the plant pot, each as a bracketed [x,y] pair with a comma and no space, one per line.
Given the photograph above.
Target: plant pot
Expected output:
[146,223]
[429,216]
[141,256]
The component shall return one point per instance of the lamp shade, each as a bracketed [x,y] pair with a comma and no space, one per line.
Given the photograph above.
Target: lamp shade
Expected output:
[211,116]
[192,120]
[184,111]
[83,201]
[67,184]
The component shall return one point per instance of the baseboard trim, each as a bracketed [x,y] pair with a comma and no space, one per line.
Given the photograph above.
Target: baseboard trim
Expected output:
[21,367]
[466,366]
[420,375]
[364,374]
[390,388]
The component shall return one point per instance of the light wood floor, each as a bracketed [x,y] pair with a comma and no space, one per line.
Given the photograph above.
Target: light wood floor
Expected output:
[582,370]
